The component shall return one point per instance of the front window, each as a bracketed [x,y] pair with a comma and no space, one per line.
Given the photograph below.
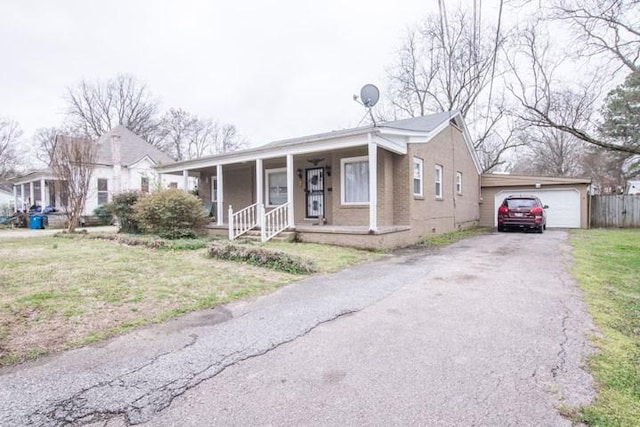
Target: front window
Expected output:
[276,187]
[418,165]
[103,191]
[459,182]
[438,180]
[355,180]
[144,184]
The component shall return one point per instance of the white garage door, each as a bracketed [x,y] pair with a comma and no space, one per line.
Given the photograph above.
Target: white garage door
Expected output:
[564,205]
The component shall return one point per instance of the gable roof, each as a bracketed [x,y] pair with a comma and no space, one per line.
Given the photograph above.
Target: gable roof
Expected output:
[393,136]
[132,148]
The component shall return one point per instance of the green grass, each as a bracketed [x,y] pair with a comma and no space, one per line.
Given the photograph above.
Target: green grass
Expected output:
[607,267]
[58,293]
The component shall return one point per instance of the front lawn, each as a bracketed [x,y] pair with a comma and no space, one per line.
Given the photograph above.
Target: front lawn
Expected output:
[57,293]
[608,270]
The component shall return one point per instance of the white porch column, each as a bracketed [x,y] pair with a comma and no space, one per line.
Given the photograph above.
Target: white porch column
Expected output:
[22,195]
[15,197]
[32,200]
[185,180]
[43,200]
[260,191]
[373,184]
[219,209]
[290,187]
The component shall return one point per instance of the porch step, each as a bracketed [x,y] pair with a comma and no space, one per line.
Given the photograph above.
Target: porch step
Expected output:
[284,236]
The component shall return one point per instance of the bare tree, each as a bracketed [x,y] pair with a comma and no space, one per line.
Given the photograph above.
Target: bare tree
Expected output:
[72,163]
[10,133]
[604,27]
[608,33]
[445,65]
[185,136]
[95,108]
[550,152]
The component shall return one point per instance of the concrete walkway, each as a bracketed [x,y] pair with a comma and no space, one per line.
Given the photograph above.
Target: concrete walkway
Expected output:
[491,332]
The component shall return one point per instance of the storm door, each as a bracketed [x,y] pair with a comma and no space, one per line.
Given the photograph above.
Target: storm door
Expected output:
[315,193]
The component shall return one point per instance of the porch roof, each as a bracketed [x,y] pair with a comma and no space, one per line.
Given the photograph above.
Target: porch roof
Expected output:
[33,176]
[392,136]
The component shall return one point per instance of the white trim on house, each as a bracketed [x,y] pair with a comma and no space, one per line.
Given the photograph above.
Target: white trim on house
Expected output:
[438,181]
[417,161]
[267,181]
[343,162]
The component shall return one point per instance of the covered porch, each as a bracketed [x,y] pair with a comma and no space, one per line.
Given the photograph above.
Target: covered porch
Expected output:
[37,190]
[332,189]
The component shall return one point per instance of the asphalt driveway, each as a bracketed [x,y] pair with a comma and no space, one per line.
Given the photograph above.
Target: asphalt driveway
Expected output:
[490,331]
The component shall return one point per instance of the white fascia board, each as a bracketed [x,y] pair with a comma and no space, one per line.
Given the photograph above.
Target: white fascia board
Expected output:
[394,143]
[265,153]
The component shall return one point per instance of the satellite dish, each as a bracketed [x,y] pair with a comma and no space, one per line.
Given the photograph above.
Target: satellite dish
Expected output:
[369,95]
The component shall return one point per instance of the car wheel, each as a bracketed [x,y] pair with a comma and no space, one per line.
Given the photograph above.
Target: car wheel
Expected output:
[500,228]
[541,229]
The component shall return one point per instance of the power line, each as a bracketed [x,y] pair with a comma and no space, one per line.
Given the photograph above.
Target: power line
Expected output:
[493,64]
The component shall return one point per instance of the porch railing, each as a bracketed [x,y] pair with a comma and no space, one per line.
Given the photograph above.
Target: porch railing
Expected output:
[242,221]
[271,223]
[275,221]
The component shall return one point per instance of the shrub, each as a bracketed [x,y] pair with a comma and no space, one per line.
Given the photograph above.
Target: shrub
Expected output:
[171,213]
[122,207]
[261,257]
[103,214]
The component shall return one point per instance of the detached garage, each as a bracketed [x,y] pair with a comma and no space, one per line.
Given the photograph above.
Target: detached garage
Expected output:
[567,198]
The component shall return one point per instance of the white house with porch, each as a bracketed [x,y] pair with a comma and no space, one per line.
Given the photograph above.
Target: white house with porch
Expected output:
[124,161]
[376,186]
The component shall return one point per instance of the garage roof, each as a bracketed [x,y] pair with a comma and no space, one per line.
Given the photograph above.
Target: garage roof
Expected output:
[507,180]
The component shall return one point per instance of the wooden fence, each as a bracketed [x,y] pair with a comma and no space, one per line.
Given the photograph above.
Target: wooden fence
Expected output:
[615,211]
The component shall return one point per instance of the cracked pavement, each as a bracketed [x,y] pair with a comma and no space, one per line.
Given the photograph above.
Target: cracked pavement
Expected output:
[489,331]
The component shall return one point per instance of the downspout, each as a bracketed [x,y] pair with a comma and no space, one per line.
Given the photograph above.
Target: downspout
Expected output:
[373,184]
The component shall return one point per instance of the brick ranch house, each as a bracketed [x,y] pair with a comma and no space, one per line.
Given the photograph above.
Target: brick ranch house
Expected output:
[379,186]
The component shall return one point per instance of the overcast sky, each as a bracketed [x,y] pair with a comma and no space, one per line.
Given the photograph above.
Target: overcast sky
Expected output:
[275,69]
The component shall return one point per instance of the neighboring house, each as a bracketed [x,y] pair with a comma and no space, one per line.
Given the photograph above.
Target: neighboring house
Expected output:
[124,161]
[7,201]
[378,186]
[567,198]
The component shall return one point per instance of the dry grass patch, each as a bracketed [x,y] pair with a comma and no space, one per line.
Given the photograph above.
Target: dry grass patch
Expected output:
[59,293]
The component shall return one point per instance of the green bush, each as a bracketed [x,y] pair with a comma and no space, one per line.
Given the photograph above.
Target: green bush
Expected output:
[171,213]
[103,214]
[261,257]
[122,207]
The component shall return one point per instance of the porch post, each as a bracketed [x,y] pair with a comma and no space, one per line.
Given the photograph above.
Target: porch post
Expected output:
[32,200]
[42,195]
[373,184]
[15,197]
[290,212]
[22,195]
[259,190]
[185,180]
[220,206]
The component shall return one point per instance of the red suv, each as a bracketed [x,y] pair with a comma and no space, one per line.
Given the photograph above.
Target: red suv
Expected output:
[524,212]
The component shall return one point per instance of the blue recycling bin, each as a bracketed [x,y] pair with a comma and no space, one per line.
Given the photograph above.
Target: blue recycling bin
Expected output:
[36,222]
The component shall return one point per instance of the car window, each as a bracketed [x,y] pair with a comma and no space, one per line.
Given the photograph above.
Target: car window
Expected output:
[521,203]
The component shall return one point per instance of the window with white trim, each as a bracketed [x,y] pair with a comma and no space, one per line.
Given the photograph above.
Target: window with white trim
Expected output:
[144,184]
[438,181]
[459,182]
[354,180]
[276,186]
[418,169]
[103,191]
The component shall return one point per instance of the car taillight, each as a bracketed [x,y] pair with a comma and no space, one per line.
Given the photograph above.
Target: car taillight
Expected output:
[536,211]
[503,210]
